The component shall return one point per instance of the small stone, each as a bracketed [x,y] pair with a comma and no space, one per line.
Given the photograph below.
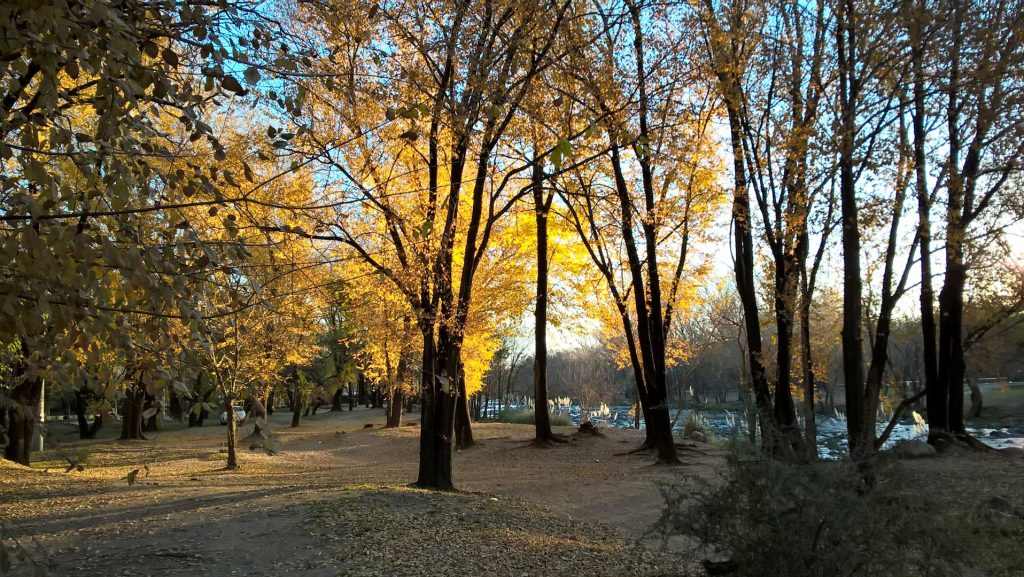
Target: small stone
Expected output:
[914,449]
[1002,506]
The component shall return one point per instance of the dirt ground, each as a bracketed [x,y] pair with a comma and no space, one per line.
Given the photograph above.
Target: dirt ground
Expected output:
[333,501]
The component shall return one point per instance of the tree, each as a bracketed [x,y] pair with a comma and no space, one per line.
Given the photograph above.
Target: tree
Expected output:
[89,92]
[459,70]
[657,161]
[979,99]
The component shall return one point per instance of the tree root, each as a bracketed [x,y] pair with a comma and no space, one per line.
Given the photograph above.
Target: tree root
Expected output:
[553,440]
[691,448]
[943,440]
[646,447]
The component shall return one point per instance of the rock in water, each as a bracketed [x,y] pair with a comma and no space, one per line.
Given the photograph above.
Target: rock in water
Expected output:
[914,449]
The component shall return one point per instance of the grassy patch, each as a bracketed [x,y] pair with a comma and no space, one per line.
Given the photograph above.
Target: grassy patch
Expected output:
[526,417]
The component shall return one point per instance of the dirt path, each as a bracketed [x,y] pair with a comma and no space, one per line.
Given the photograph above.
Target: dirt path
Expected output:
[333,502]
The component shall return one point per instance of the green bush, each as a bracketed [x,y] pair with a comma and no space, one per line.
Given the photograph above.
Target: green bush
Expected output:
[829,519]
[526,417]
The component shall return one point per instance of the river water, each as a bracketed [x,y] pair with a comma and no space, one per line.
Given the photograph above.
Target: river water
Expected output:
[832,441]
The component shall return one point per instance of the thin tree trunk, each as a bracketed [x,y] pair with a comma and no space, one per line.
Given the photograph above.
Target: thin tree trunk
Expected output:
[232,426]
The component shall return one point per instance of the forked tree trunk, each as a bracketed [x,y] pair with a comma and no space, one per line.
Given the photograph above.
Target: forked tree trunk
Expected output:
[436,422]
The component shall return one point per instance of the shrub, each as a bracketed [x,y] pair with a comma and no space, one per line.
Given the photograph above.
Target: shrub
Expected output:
[823,519]
[696,427]
[526,417]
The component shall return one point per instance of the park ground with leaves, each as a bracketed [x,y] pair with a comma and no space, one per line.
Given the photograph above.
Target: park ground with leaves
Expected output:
[334,500]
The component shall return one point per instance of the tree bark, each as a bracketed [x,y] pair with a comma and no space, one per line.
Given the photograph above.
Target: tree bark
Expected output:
[131,417]
[463,425]
[296,397]
[395,409]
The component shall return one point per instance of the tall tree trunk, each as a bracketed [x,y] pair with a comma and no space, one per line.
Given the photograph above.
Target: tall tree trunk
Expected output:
[541,207]
[336,400]
[853,354]
[362,389]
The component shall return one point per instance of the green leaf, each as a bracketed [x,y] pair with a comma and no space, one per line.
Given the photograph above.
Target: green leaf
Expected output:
[565,147]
